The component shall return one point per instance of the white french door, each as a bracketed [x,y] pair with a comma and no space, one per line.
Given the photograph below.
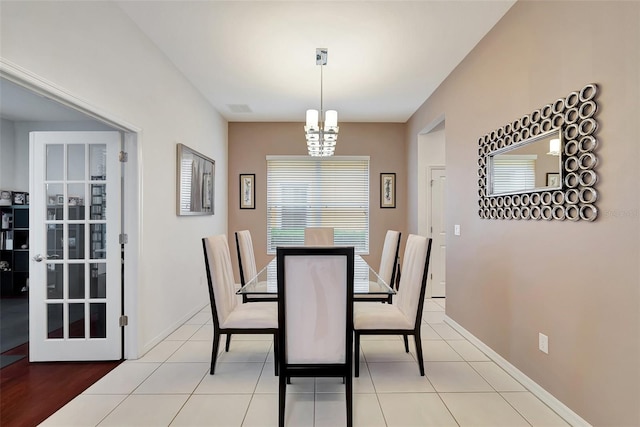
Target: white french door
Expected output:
[75,260]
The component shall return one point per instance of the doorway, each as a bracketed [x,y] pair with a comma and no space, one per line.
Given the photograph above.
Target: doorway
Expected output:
[29,104]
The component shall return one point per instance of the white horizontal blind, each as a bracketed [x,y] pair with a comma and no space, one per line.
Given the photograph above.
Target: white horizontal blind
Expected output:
[513,173]
[318,192]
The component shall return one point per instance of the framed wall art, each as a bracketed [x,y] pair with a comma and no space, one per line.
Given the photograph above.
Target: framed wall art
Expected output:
[387,190]
[195,182]
[247,191]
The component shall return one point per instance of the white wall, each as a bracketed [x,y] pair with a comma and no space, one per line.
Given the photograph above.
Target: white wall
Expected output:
[7,148]
[94,52]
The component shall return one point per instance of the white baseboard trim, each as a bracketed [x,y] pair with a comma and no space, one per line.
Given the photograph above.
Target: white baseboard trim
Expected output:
[560,408]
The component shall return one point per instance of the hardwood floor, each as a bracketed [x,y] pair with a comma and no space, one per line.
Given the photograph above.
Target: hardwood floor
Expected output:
[31,392]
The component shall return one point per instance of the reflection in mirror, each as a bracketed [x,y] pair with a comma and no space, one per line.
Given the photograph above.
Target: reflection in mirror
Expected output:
[195,182]
[531,165]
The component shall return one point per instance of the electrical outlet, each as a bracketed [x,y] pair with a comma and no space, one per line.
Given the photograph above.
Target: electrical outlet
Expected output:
[456,229]
[543,343]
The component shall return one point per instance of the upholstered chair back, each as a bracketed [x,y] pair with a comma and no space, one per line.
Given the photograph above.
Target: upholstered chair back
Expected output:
[413,276]
[389,257]
[318,236]
[220,276]
[246,257]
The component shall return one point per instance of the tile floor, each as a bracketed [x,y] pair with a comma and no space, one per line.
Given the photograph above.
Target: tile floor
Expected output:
[171,385]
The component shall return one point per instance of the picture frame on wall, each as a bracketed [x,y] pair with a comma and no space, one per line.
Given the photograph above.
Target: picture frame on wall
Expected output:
[247,191]
[388,190]
[553,179]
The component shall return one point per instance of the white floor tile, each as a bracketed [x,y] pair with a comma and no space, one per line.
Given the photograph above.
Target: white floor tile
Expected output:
[84,410]
[205,333]
[174,378]
[455,377]
[183,333]
[497,377]
[213,410]
[245,351]
[367,411]
[427,332]
[468,351]
[268,382]
[385,351]
[161,352]
[125,378]
[389,377]
[192,351]
[330,410]
[415,409]
[533,410]
[446,332]
[145,410]
[433,317]
[432,305]
[482,409]
[434,350]
[231,378]
[200,318]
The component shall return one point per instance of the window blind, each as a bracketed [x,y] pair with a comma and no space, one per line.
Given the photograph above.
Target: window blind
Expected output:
[513,173]
[318,192]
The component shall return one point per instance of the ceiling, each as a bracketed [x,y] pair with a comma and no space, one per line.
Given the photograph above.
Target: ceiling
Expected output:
[385,57]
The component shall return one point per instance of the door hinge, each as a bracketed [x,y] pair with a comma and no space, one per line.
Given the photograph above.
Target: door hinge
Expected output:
[123,156]
[123,238]
[431,276]
[431,183]
[123,321]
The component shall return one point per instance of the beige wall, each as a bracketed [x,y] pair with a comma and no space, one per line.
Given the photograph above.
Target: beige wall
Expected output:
[577,282]
[250,143]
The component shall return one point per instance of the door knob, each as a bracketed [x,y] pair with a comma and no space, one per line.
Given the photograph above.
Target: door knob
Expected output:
[39,258]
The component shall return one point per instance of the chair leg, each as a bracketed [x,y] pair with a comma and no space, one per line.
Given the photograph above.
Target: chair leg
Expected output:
[406,343]
[419,353]
[226,346]
[349,393]
[276,353]
[356,355]
[214,351]
[282,397]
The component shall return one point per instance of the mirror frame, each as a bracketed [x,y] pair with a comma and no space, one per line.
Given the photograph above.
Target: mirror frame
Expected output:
[205,181]
[575,117]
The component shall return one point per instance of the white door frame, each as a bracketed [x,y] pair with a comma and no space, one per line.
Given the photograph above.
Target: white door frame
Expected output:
[131,221]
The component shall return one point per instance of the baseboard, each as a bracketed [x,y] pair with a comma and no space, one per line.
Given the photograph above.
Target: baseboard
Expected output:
[560,408]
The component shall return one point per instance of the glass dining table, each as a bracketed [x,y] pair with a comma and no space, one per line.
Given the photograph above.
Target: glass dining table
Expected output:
[365,280]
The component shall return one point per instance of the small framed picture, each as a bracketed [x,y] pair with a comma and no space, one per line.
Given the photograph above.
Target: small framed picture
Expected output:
[51,200]
[553,179]
[73,201]
[387,190]
[247,191]
[19,198]
[5,198]
[60,199]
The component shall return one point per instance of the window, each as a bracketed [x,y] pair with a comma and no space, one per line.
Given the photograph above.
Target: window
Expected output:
[513,173]
[317,192]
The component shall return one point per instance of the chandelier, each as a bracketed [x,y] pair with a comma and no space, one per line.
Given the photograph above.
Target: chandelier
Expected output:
[321,137]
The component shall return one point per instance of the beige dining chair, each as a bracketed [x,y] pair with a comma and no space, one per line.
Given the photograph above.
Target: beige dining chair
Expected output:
[247,265]
[229,315]
[315,314]
[404,315]
[318,236]
[388,267]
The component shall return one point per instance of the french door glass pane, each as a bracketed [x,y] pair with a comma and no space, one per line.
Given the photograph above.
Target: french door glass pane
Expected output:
[55,162]
[98,161]
[76,281]
[54,321]
[55,282]
[75,162]
[76,320]
[98,287]
[76,241]
[76,198]
[98,313]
